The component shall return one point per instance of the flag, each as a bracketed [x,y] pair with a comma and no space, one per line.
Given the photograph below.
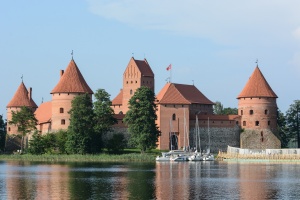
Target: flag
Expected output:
[169,67]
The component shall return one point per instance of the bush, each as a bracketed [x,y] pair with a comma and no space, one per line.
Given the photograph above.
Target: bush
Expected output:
[36,144]
[116,143]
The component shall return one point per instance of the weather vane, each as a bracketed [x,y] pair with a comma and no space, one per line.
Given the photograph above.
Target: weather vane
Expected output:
[72,54]
[22,77]
[256,62]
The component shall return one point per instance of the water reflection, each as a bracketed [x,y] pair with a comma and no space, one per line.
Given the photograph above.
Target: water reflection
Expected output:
[161,180]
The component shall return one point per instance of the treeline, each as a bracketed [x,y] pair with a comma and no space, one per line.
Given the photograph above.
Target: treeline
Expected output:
[90,128]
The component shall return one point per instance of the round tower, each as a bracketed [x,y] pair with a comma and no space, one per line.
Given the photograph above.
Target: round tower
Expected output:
[258,110]
[70,85]
[22,97]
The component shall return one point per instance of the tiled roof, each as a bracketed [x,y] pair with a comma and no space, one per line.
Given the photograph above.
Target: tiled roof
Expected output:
[173,93]
[257,86]
[144,67]
[21,98]
[118,99]
[44,112]
[72,81]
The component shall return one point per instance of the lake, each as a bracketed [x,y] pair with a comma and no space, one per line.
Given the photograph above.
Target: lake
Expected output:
[160,180]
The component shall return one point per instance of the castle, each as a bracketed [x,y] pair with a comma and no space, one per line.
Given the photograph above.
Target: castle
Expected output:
[179,108]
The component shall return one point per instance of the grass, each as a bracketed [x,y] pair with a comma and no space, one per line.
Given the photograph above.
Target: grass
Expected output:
[129,155]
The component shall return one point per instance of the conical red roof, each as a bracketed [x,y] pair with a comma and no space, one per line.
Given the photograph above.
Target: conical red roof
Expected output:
[72,81]
[257,86]
[21,98]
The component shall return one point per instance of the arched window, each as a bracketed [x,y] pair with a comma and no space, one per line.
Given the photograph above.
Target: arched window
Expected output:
[174,116]
[242,112]
[256,123]
[251,112]
[266,112]
[61,110]
[8,128]
[130,92]
[121,113]
[63,122]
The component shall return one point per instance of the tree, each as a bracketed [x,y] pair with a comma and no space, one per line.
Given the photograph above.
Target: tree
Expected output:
[282,129]
[140,119]
[219,110]
[293,120]
[36,144]
[26,122]
[2,133]
[81,126]
[104,117]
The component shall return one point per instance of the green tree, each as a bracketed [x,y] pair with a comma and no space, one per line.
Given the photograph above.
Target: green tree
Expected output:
[220,110]
[36,144]
[104,118]
[282,129]
[26,122]
[140,119]
[81,128]
[2,133]
[293,121]
[230,111]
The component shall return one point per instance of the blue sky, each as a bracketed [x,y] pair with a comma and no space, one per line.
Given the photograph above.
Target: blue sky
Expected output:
[214,44]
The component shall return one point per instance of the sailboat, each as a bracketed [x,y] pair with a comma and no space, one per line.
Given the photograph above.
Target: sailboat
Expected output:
[197,154]
[208,156]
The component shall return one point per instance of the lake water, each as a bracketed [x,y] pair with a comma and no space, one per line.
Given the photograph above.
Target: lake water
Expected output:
[160,180]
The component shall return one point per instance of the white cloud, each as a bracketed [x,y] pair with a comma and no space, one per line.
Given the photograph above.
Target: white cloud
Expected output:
[296,33]
[227,22]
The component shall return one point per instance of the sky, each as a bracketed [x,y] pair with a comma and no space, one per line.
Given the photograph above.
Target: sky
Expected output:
[212,44]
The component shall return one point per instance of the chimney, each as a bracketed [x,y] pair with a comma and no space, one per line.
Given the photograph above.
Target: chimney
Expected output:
[61,73]
[29,93]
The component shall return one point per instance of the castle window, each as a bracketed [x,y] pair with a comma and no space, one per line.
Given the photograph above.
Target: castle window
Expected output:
[244,123]
[237,123]
[242,112]
[256,123]
[63,122]
[126,82]
[174,117]
[121,113]
[269,123]
[61,110]
[266,112]
[135,81]
[251,112]
[8,128]
[130,92]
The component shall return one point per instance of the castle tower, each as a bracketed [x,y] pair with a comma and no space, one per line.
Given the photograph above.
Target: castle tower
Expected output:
[70,85]
[22,97]
[258,110]
[138,73]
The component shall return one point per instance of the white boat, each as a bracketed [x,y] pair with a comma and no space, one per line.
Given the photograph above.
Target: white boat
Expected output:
[180,158]
[167,156]
[208,157]
[196,157]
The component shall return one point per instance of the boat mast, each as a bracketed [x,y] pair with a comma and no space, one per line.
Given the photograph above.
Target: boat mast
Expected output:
[208,136]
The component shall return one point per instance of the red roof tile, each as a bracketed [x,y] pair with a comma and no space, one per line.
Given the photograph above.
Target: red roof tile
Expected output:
[118,99]
[44,112]
[72,81]
[181,94]
[144,67]
[257,86]
[21,98]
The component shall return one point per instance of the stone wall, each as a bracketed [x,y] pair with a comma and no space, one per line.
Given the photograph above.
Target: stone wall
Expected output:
[220,138]
[259,139]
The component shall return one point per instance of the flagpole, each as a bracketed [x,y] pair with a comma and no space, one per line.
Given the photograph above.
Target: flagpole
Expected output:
[171,74]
